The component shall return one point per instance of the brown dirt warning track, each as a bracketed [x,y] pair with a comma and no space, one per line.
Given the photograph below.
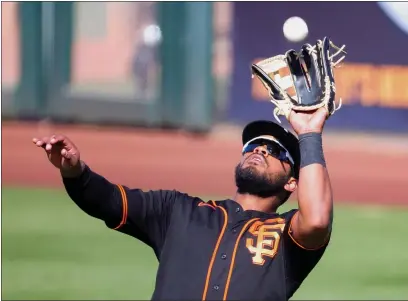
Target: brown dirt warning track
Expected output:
[362,168]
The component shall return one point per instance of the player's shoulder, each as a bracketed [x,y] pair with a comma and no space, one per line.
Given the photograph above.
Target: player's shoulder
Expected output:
[186,204]
[169,196]
[287,215]
[177,196]
[185,199]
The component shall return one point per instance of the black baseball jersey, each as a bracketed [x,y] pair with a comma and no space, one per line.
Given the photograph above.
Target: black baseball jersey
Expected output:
[206,251]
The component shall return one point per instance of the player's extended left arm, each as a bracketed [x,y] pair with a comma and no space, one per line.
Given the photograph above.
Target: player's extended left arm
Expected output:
[311,226]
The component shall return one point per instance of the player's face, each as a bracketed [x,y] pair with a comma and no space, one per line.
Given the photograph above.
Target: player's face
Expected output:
[264,169]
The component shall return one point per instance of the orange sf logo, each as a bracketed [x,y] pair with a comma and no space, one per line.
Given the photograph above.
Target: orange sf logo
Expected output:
[267,239]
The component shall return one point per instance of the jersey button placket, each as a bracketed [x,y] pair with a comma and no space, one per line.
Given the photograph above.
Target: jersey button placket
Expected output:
[220,270]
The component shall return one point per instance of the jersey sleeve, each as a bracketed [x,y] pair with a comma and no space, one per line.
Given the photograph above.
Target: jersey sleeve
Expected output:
[145,215]
[299,261]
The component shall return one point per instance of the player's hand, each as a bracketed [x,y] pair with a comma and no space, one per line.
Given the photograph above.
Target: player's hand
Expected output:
[61,152]
[307,122]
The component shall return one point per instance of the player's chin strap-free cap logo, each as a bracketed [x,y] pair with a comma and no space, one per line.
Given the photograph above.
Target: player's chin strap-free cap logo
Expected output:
[265,242]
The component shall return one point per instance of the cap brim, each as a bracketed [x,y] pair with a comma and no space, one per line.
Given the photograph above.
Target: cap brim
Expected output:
[286,138]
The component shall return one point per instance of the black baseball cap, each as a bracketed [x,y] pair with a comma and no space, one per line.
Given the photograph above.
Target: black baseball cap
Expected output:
[286,138]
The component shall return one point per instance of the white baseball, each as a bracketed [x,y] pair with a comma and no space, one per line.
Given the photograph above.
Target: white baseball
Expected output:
[152,35]
[295,29]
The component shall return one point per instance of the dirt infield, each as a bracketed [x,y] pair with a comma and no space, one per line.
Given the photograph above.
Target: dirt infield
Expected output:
[362,168]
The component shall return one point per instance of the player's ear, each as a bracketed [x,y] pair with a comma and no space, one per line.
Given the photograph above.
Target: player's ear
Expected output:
[291,185]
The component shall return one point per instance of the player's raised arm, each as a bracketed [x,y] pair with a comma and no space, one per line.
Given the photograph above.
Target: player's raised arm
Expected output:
[311,227]
[144,215]
[91,192]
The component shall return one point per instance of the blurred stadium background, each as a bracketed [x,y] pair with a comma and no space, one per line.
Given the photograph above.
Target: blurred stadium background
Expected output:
[151,91]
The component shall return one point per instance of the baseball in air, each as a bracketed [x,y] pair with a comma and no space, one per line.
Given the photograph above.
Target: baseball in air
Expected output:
[295,29]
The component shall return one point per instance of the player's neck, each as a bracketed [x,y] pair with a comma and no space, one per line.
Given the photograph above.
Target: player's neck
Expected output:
[252,202]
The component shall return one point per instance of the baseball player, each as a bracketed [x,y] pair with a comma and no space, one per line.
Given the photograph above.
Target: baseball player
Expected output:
[235,249]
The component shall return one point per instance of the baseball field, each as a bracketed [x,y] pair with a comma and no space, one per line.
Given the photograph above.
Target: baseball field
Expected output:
[52,250]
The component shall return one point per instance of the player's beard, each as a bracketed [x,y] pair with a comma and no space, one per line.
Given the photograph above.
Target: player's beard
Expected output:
[250,181]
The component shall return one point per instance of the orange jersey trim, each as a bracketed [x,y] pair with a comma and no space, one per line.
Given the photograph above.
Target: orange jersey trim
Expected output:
[217,245]
[124,207]
[205,204]
[234,253]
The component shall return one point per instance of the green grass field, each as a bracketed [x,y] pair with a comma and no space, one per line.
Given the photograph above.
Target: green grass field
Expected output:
[52,250]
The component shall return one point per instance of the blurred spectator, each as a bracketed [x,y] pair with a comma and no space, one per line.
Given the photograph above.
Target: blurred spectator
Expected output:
[145,53]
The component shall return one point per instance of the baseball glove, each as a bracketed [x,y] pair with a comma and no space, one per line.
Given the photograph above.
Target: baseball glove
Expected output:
[301,81]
